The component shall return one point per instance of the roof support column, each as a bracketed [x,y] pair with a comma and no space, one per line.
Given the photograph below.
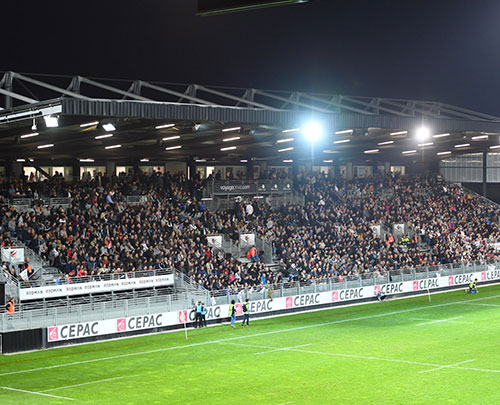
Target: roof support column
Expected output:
[485,173]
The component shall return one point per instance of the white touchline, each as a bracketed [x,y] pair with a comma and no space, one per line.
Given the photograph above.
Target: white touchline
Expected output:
[37,393]
[283,348]
[86,383]
[432,321]
[448,366]
[483,305]
[243,337]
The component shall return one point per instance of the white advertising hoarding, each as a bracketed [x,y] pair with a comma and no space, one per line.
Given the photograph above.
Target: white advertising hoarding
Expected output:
[63,290]
[112,326]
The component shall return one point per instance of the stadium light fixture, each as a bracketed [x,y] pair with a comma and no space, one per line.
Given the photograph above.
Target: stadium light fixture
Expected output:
[444,153]
[170,138]
[31,160]
[228,148]
[285,140]
[113,147]
[49,145]
[423,134]
[398,133]
[51,121]
[234,138]
[330,151]
[165,126]
[288,161]
[286,131]
[408,152]
[200,160]
[328,161]
[30,135]
[173,147]
[462,145]
[495,147]
[89,160]
[89,124]
[20,160]
[345,131]
[371,151]
[144,160]
[440,135]
[313,131]
[285,149]
[385,143]
[109,127]
[231,129]
[342,141]
[421,145]
[479,137]
[103,136]
[243,161]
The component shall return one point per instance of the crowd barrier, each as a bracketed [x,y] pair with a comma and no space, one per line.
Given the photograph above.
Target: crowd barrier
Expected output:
[61,334]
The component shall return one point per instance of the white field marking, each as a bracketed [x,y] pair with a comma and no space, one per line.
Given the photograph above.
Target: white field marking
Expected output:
[483,305]
[439,320]
[244,336]
[278,349]
[450,365]
[285,403]
[37,393]
[86,383]
[355,356]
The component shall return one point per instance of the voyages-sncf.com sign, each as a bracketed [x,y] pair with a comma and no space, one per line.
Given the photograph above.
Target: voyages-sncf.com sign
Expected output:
[123,325]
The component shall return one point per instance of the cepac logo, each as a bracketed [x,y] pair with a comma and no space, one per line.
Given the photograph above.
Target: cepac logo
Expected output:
[239,309]
[451,280]
[53,333]
[415,285]
[377,289]
[335,296]
[289,302]
[13,253]
[183,316]
[121,325]
[483,276]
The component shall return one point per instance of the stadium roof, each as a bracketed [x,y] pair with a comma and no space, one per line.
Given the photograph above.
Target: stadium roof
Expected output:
[225,124]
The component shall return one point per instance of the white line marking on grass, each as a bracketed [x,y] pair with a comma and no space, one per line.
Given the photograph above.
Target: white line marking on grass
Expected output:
[432,321]
[87,383]
[483,305]
[283,348]
[37,393]
[119,356]
[285,403]
[355,356]
[451,365]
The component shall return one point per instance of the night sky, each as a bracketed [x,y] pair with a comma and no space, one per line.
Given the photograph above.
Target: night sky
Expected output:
[428,50]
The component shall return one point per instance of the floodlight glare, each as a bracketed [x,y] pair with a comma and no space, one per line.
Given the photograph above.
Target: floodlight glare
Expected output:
[51,121]
[423,134]
[312,131]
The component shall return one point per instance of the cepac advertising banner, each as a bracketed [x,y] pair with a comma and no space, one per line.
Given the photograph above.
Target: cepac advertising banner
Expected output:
[76,288]
[215,241]
[305,301]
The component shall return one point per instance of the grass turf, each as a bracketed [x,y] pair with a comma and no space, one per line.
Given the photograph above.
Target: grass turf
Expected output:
[390,352]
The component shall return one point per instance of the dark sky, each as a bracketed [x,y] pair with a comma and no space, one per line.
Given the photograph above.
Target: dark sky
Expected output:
[433,50]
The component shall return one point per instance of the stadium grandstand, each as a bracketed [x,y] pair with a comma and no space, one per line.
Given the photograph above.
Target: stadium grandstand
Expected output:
[121,198]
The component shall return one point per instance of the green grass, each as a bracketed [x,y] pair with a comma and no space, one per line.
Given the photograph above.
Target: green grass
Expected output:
[367,354]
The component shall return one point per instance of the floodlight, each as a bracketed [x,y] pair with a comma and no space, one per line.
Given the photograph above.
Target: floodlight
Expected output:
[423,134]
[51,121]
[312,131]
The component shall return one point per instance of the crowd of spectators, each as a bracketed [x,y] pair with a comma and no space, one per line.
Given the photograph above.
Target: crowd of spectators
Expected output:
[331,235]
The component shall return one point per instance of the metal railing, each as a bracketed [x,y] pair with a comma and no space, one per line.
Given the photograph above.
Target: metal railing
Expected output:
[172,302]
